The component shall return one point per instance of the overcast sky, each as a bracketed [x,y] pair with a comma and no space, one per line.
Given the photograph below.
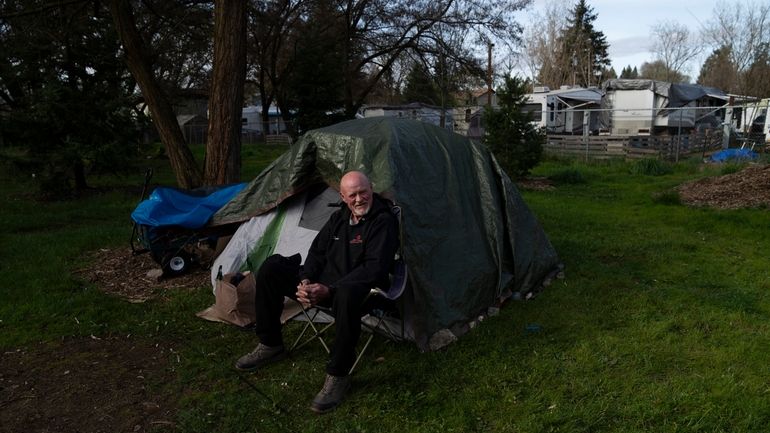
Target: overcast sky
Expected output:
[627,25]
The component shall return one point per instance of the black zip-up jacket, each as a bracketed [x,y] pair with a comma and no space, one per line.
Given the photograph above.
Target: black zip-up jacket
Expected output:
[345,257]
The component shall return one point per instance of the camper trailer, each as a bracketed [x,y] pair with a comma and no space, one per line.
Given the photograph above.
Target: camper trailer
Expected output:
[251,120]
[416,110]
[568,110]
[644,107]
[536,105]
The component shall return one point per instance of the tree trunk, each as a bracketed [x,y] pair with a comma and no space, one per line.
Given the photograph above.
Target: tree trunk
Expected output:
[187,173]
[267,101]
[79,173]
[265,116]
[223,147]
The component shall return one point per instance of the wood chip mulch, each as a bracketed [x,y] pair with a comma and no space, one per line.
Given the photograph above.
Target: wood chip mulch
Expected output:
[133,277]
[748,188]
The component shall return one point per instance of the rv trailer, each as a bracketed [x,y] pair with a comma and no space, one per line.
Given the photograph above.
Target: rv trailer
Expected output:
[644,107]
[568,110]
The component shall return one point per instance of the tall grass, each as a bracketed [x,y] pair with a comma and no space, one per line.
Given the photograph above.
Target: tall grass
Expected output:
[662,323]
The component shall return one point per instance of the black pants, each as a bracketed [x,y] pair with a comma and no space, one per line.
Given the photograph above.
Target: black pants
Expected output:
[278,277]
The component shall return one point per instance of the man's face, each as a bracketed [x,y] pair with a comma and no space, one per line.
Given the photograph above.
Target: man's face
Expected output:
[356,192]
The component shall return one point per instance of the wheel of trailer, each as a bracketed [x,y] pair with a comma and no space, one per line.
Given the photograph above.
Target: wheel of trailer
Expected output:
[176,264]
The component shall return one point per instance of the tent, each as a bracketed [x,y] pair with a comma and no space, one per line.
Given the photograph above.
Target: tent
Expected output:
[468,238]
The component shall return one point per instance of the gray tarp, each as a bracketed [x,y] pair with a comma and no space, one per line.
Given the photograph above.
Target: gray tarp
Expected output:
[582,95]
[469,239]
[678,94]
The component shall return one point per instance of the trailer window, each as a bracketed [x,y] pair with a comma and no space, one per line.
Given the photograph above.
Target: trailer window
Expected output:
[535,109]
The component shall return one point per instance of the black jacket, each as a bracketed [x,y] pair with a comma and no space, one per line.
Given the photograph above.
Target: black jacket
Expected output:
[354,257]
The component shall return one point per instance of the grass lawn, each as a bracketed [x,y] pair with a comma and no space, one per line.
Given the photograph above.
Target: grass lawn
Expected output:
[662,323]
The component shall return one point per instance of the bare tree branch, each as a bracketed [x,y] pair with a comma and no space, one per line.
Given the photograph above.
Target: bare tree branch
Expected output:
[675,47]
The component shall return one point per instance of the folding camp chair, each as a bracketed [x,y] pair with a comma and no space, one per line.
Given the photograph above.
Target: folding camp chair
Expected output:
[385,301]
[385,304]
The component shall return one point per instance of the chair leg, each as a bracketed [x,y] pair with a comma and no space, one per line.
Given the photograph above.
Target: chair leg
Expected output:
[317,333]
[361,353]
[372,330]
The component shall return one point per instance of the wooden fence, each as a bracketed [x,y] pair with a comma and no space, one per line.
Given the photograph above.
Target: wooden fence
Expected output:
[667,147]
[278,139]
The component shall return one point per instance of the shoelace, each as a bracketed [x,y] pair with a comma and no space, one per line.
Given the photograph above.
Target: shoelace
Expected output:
[258,351]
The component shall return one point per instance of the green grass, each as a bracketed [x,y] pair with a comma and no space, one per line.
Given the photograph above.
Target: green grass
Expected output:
[661,324]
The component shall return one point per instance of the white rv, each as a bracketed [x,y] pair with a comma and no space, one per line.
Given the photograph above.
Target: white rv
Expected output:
[643,107]
[750,119]
[568,110]
[251,120]
[416,110]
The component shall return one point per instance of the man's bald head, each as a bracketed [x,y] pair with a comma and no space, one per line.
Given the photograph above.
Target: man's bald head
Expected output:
[356,192]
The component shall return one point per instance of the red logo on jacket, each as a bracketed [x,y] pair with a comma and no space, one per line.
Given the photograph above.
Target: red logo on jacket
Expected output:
[356,240]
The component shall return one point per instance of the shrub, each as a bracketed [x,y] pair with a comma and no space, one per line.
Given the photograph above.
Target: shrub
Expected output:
[508,132]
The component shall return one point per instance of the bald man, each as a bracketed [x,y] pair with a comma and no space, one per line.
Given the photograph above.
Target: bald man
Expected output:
[352,253]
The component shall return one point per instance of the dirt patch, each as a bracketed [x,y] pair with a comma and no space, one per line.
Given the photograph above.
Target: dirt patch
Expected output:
[95,384]
[748,188]
[120,272]
[87,385]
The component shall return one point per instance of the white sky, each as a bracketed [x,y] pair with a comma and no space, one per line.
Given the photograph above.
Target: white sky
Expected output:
[627,25]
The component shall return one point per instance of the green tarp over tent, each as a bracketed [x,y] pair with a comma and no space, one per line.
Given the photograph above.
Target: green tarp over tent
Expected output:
[469,240]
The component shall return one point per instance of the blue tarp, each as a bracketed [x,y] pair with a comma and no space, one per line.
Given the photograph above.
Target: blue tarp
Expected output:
[734,154]
[173,207]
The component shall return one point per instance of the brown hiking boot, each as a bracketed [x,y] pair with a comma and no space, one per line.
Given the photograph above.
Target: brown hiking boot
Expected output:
[331,394]
[259,357]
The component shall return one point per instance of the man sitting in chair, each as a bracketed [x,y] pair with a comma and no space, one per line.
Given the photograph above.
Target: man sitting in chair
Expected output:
[352,253]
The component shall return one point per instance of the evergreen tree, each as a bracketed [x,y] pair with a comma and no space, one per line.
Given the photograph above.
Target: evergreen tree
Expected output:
[508,130]
[421,86]
[583,47]
[629,73]
[317,81]
[719,71]
[608,74]
[67,97]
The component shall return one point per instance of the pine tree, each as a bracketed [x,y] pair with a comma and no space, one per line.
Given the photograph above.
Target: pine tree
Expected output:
[421,86]
[509,133]
[719,71]
[583,47]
